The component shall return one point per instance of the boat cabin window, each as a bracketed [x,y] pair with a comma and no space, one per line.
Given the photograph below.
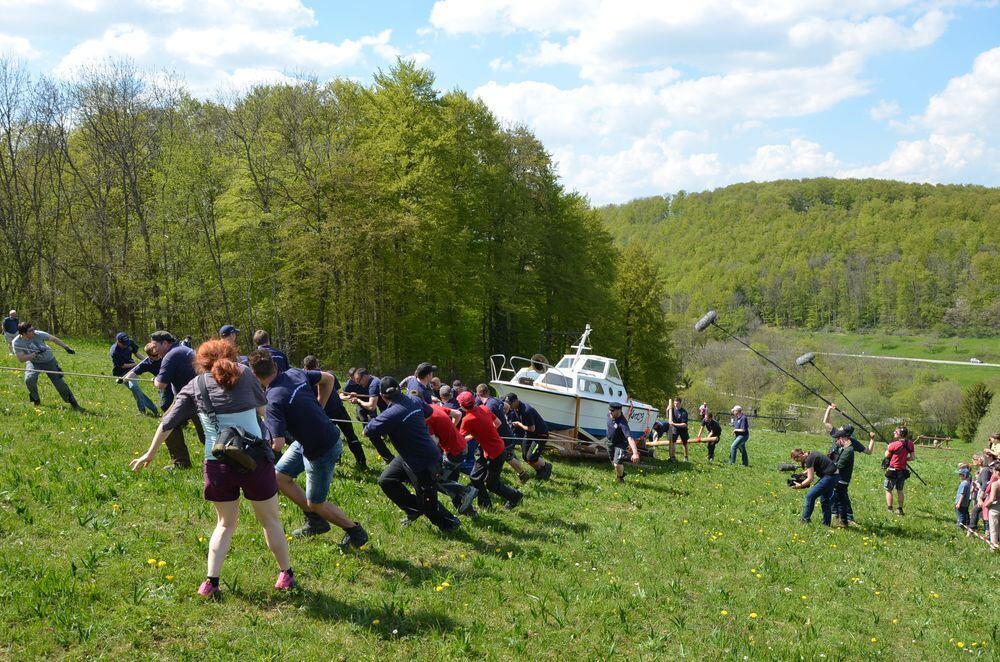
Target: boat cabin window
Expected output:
[566,362]
[594,365]
[588,386]
[613,373]
[553,379]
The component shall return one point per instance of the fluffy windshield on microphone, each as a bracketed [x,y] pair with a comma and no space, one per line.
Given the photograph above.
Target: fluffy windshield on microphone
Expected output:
[805,358]
[703,323]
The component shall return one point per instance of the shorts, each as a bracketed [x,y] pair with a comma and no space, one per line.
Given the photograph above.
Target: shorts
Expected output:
[894,479]
[319,471]
[678,433]
[223,482]
[618,455]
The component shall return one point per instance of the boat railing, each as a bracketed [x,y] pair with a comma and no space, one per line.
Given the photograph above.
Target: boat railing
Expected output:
[503,368]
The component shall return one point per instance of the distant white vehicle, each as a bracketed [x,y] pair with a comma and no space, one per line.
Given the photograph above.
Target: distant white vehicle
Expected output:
[974,360]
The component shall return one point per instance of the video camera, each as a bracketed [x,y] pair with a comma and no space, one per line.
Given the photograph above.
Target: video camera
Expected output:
[794,479]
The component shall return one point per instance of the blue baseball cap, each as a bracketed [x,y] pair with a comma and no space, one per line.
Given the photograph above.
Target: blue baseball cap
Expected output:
[122,337]
[228,330]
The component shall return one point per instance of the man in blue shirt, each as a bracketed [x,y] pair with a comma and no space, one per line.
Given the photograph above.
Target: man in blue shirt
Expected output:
[176,370]
[678,419]
[620,441]
[484,397]
[262,339]
[295,410]
[122,351]
[336,411]
[530,426]
[419,383]
[363,390]
[230,334]
[10,329]
[419,459]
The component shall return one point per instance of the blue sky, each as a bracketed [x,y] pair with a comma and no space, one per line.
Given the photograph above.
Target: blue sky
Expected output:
[632,97]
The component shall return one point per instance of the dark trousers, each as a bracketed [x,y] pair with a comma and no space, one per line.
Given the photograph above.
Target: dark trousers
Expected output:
[424,499]
[711,449]
[449,485]
[962,516]
[178,449]
[976,516]
[532,446]
[364,416]
[842,507]
[486,476]
[339,412]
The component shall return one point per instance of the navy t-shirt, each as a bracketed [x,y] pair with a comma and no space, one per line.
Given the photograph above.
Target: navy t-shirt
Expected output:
[292,407]
[680,416]
[618,431]
[531,417]
[714,429]
[373,390]
[413,387]
[496,407]
[404,421]
[279,358]
[10,324]
[177,367]
[334,406]
[122,355]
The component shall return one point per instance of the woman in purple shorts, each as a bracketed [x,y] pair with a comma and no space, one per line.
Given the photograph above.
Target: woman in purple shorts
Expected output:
[238,401]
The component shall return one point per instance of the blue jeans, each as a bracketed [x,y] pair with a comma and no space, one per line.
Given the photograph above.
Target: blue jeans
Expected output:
[822,490]
[142,400]
[319,471]
[739,444]
[962,516]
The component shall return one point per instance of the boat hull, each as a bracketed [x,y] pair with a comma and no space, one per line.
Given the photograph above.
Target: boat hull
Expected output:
[559,410]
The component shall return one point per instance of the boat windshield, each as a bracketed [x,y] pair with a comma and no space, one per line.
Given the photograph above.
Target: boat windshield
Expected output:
[567,362]
[613,373]
[596,366]
[554,379]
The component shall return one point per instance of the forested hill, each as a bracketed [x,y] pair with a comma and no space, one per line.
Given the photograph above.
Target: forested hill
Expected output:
[828,252]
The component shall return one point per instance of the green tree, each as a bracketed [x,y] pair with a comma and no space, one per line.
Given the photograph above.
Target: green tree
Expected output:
[975,403]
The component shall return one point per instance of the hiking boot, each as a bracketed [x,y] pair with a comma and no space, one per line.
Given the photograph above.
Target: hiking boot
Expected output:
[545,472]
[208,590]
[355,537]
[515,502]
[899,511]
[286,580]
[523,477]
[449,523]
[407,521]
[468,497]
[315,525]
[35,402]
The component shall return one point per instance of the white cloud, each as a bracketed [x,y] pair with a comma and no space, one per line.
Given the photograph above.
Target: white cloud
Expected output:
[419,57]
[18,47]
[968,102]
[500,64]
[116,42]
[799,158]
[884,110]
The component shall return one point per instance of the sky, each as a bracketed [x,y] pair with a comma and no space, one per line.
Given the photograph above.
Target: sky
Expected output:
[631,97]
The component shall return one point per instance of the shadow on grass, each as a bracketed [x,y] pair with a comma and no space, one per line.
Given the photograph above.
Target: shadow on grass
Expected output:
[387,619]
[575,527]
[414,574]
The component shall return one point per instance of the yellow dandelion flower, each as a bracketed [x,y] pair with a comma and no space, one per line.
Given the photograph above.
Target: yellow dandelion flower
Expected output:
[376,622]
[438,588]
[151,561]
[804,597]
[724,613]
[874,640]
[960,644]
[753,614]
[895,621]
[170,578]
[160,564]
[461,556]
[445,584]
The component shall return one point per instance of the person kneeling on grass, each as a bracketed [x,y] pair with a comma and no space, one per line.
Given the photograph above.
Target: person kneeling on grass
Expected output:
[418,461]
[237,400]
[294,411]
[817,465]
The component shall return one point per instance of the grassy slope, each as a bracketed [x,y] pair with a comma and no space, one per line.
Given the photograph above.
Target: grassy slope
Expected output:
[583,569]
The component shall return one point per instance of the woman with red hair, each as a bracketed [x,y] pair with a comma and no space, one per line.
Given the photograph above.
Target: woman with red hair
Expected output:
[238,401]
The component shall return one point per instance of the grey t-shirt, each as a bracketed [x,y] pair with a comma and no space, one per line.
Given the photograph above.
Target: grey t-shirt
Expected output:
[36,344]
[234,408]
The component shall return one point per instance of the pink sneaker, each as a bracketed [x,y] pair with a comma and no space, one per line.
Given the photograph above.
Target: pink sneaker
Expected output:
[206,590]
[286,581]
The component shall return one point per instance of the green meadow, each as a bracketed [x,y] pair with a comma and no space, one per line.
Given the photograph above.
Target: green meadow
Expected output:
[696,560]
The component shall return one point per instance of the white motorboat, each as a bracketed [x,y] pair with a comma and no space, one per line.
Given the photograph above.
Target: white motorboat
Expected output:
[573,395]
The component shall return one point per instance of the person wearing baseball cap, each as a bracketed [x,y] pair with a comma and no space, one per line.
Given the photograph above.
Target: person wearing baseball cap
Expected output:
[842,453]
[529,425]
[418,459]
[230,334]
[123,349]
[620,441]
[481,424]
[963,497]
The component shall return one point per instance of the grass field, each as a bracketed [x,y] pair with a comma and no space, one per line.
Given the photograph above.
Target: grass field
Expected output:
[694,560]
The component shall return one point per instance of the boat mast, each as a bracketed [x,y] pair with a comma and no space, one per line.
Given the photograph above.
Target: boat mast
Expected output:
[582,345]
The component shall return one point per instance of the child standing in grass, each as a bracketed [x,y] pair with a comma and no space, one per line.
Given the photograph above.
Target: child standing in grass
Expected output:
[981,480]
[962,497]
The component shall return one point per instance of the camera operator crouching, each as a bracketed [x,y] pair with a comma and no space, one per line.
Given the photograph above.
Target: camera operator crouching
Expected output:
[817,465]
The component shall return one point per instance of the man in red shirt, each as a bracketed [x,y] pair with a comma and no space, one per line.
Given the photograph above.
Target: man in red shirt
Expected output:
[899,453]
[441,424]
[481,424]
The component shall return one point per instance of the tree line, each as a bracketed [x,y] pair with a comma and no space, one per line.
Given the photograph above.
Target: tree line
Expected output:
[379,224]
[828,253]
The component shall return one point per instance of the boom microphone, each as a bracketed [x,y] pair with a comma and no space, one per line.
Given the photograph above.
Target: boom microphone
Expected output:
[705,321]
[805,358]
